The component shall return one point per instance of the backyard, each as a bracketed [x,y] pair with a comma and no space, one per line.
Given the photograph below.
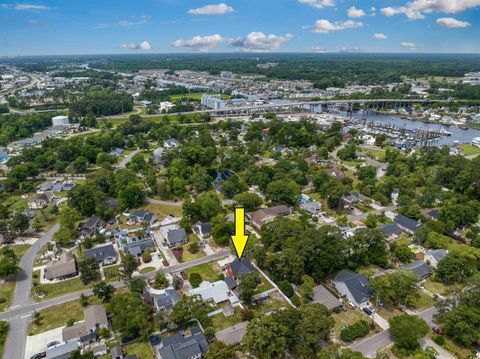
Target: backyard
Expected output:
[219,321]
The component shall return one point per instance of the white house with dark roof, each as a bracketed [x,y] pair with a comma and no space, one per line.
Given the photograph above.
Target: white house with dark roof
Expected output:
[421,268]
[354,287]
[434,256]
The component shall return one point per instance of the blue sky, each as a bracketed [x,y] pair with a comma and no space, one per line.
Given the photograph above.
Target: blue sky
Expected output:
[161,26]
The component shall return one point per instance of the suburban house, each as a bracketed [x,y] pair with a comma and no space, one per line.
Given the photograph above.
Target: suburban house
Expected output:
[232,284]
[56,186]
[335,172]
[91,227]
[203,229]
[85,332]
[116,352]
[130,242]
[353,286]
[391,230]
[431,213]
[158,155]
[238,267]
[313,208]
[232,335]
[434,256]
[62,351]
[215,293]
[117,152]
[352,198]
[176,237]
[141,216]
[101,253]
[171,143]
[421,268]
[323,296]
[265,215]
[38,203]
[192,344]
[406,223]
[64,267]
[166,300]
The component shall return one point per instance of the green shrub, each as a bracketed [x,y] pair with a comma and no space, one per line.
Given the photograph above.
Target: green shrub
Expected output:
[195,279]
[439,340]
[354,331]
[286,288]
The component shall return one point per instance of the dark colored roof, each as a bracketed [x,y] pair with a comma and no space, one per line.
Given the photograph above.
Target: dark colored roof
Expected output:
[167,300]
[101,253]
[407,222]
[230,282]
[391,228]
[357,285]
[205,227]
[239,267]
[420,267]
[176,346]
[177,236]
[91,223]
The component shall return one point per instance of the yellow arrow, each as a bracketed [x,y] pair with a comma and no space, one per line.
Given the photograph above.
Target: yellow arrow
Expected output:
[240,238]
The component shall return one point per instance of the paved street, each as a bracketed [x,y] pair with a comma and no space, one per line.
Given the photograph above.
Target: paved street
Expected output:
[124,162]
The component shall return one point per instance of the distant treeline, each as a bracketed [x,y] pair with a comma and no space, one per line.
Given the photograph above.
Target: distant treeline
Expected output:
[15,127]
[101,103]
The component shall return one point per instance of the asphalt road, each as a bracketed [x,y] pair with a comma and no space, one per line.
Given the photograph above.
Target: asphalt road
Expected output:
[371,345]
[23,305]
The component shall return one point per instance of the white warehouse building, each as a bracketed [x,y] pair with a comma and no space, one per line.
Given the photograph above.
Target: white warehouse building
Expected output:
[60,121]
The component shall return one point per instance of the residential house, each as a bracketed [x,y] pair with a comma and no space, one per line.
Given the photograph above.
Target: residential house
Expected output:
[406,223]
[232,335]
[64,267]
[78,333]
[335,172]
[176,237]
[37,203]
[391,230]
[232,284]
[265,215]
[141,216]
[352,198]
[203,229]
[135,243]
[314,208]
[323,296]
[166,300]
[100,253]
[117,152]
[116,352]
[354,287]
[422,269]
[62,351]
[434,256]
[95,318]
[158,155]
[91,227]
[215,293]
[192,344]
[238,267]
[171,143]
[431,213]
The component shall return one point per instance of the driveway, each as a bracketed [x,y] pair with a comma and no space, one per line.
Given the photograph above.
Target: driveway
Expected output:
[38,343]
[371,345]
[124,162]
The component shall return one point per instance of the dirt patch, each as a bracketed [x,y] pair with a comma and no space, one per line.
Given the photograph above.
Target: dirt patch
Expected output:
[178,253]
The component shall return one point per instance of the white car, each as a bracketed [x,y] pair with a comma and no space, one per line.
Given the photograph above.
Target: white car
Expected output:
[109,260]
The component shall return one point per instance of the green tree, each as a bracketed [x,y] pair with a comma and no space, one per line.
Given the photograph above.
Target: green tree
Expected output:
[396,288]
[250,201]
[218,350]
[8,262]
[189,308]
[455,268]
[406,330]
[248,284]
[265,338]
[89,270]
[195,279]
[103,291]
[129,265]
[131,196]
[131,316]
[403,253]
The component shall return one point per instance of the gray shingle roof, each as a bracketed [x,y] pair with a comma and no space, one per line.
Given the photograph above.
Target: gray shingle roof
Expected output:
[357,285]
[420,267]
[101,253]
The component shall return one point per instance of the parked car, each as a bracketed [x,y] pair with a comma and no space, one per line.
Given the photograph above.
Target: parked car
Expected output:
[367,311]
[52,343]
[380,303]
[39,355]
[343,308]
[159,255]
[183,275]
[371,309]
[154,340]
[109,260]
[350,303]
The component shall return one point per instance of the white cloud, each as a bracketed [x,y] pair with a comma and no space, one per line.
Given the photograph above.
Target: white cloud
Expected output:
[417,9]
[212,10]
[28,7]
[144,45]
[324,26]
[350,49]
[409,45]
[319,4]
[353,12]
[452,23]
[199,43]
[319,49]
[258,41]
[380,36]
[130,22]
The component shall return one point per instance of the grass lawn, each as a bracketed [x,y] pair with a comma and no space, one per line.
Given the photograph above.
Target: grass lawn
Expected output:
[264,286]
[220,322]
[469,150]
[6,293]
[352,163]
[20,249]
[205,271]
[375,153]
[369,271]
[388,312]
[349,317]
[146,270]
[112,273]
[439,288]
[457,350]
[187,256]
[162,211]
[61,288]
[424,301]
[141,349]
[268,306]
[3,335]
